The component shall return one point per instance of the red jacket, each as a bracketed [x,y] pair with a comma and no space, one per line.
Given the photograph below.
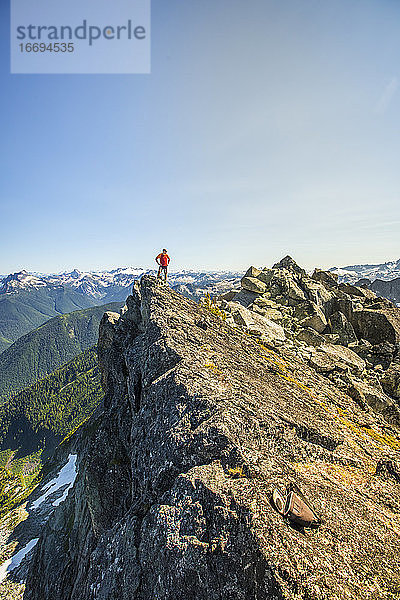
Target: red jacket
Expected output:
[164,259]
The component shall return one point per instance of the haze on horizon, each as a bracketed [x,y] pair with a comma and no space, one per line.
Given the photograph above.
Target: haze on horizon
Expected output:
[265,129]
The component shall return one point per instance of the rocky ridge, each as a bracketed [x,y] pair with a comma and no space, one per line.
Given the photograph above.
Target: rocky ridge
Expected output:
[209,408]
[343,331]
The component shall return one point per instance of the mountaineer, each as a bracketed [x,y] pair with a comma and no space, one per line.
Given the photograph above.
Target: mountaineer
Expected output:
[163,261]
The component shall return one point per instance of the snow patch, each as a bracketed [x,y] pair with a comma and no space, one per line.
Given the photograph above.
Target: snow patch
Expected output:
[385,271]
[341,272]
[15,561]
[66,476]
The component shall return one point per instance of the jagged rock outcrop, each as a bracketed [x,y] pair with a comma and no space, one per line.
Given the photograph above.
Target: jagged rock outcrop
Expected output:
[333,321]
[200,422]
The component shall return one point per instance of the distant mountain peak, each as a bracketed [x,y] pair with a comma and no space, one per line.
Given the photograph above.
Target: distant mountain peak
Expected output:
[384,271]
[21,280]
[75,273]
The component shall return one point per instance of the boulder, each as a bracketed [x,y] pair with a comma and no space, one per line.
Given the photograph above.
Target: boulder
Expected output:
[252,272]
[295,292]
[228,296]
[345,357]
[257,324]
[269,313]
[344,305]
[353,290]
[252,284]
[263,302]
[245,297]
[279,283]
[316,292]
[273,314]
[377,301]
[364,393]
[310,337]
[383,354]
[379,304]
[363,349]
[380,355]
[281,300]
[316,320]
[339,325]
[391,381]
[303,310]
[322,363]
[284,285]
[377,326]
[329,280]
[331,338]
[329,358]
[266,276]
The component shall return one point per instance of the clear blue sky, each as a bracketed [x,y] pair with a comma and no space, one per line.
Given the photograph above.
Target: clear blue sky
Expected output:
[267,127]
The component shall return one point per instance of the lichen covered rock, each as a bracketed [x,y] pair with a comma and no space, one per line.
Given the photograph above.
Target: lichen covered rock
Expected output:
[252,284]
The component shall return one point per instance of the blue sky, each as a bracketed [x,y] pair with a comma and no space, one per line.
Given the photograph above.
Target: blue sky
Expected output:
[267,127]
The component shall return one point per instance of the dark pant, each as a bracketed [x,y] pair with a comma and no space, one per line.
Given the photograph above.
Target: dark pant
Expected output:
[163,269]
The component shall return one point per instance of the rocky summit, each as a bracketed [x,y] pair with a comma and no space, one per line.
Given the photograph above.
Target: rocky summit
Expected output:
[289,380]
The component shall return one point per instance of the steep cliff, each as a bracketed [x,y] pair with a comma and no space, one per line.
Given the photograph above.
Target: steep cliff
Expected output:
[201,421]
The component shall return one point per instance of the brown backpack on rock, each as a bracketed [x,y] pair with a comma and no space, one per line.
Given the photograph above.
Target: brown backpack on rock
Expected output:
[293,506]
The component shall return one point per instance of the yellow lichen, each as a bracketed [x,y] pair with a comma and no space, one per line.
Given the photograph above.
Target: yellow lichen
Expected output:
[210,304]
[342,417]
[213,368]
[236,472]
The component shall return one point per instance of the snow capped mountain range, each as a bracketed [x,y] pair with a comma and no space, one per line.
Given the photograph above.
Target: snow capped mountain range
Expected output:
[96,283]
[385,271]
[21,280]
[115,284]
